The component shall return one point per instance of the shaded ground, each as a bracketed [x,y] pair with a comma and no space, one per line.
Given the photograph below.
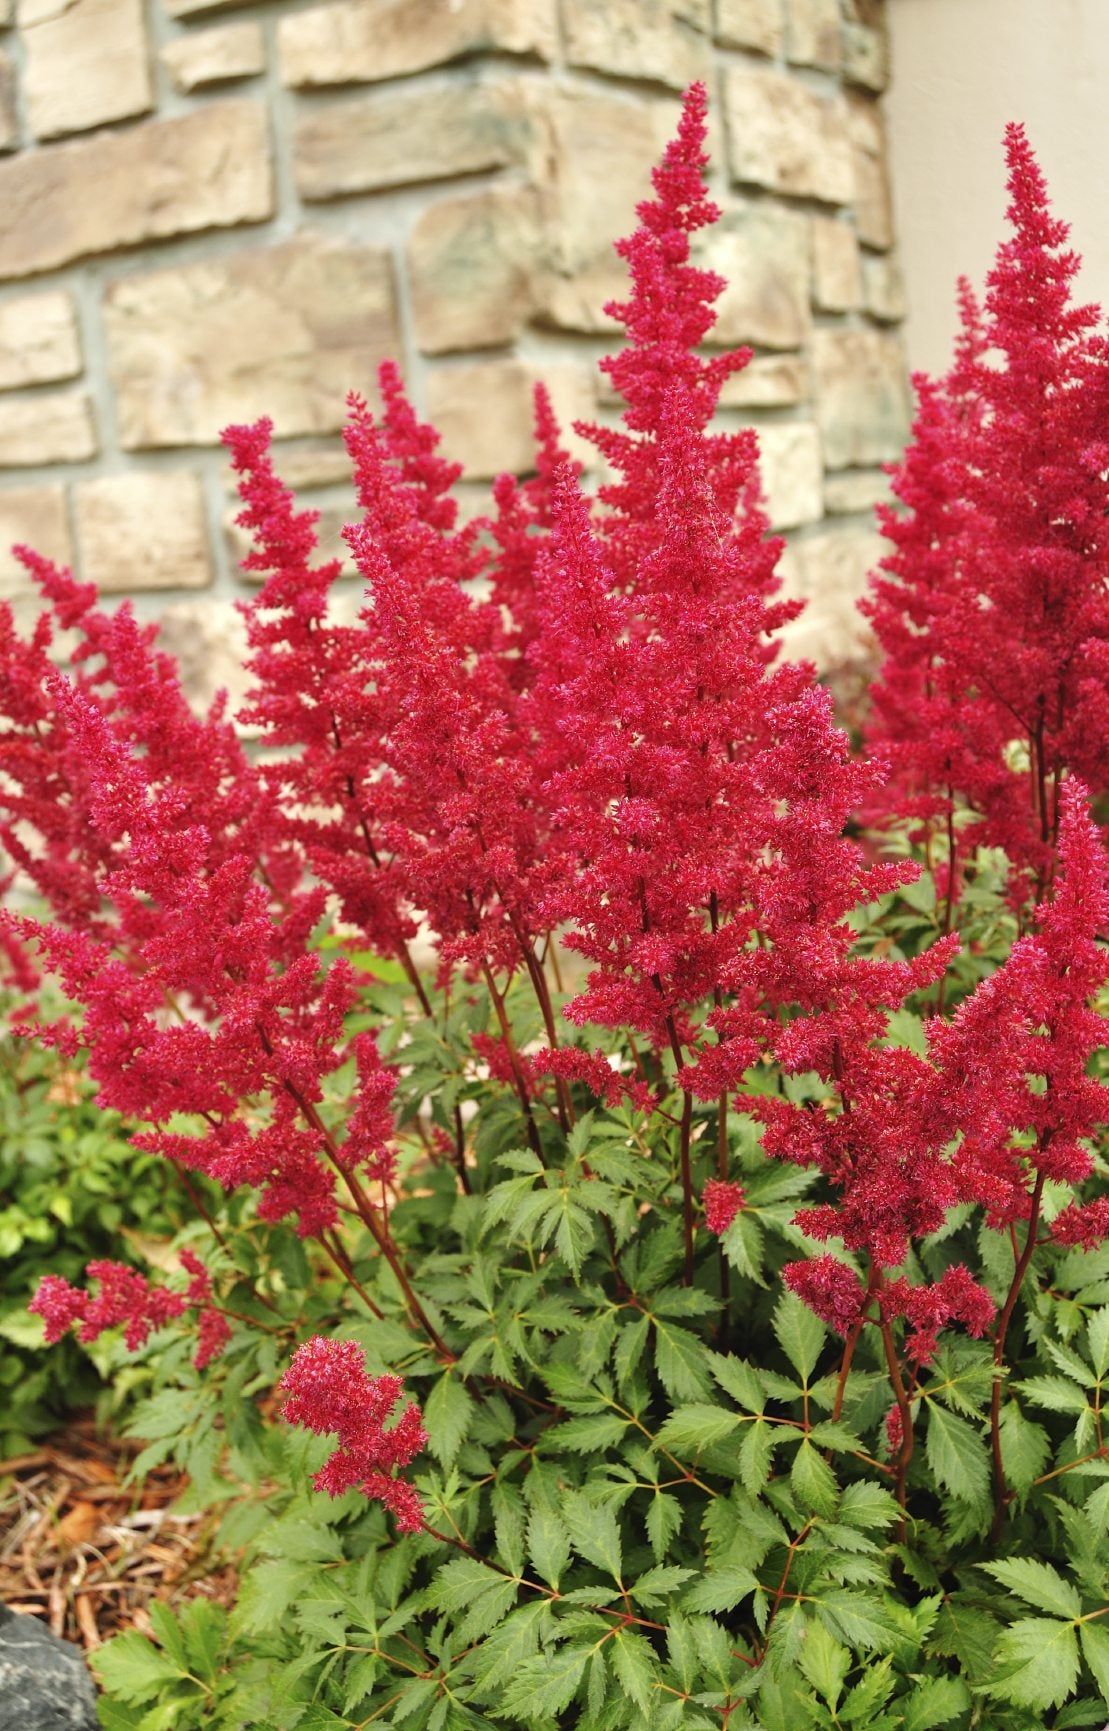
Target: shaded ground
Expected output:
[86,1552]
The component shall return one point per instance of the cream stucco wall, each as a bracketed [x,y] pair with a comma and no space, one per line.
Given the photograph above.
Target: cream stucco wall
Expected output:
[961,69]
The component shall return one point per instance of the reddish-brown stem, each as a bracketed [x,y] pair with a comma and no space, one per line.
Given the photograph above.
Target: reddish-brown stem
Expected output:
[546,1009]
[905,1409]
[334,1248]
[1001,1492]
[514,1060]
[460,1152]
[684,1137]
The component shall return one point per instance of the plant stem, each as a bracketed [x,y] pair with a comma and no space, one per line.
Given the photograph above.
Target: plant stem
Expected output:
[1001,1491]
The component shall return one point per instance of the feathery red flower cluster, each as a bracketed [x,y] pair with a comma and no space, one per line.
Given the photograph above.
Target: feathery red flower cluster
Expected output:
[993,613]
[328,1389]
[127,1299]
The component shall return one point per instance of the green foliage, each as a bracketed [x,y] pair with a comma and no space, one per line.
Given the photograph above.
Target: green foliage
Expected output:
[71,1189]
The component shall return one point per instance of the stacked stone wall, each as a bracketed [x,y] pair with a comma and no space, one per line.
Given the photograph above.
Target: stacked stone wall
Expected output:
[212,210]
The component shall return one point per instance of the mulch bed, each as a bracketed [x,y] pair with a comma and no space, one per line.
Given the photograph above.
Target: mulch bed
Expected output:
[86,1552]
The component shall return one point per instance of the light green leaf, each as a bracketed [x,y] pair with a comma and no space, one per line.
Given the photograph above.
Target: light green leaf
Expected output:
[1025,1447]
[548,1545]
[664,1517]
[1036,1663]
[825,1662]
[594,1533]
[1095,1651]
[936,1702]
[658,1584]
[756,1453]
[693,1428]
[543,1687]
[860,1619]
[740,1379]
[813,1480]
[720,1589]
[1038,1584]
[448,1413]
[680,1362]
[133,1668]
[1097,1335]
[1055,1393]
[957,1456]
[799,1333]
[590,1435]
[633,1661]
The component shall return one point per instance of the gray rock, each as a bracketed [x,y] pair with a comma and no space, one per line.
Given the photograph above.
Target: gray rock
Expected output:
[44,1682]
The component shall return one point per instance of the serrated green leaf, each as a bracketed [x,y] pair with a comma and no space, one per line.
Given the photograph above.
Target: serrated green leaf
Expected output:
[633,1661]
[1025,1447]
[958,1457]
[1097,1337]
[1055,1393]
[756,1452]
[935,1702]
[739,1379]
[594,1533]
[1036,1663]
[859,1619]
[1038,1584]
[799,1333]
[1095,1651]
[813,1480]
[693,1428]
[680,1362]
[448,1414]
[509,1526]
[542,1688]
[548,1545]
[824,1661]
[664,1517]
[589,1435]
[720,1589]
[658,1584]
[133,1668]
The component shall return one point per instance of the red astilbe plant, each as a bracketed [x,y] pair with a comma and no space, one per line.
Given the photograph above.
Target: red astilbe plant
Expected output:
[992,612]
[127,1299]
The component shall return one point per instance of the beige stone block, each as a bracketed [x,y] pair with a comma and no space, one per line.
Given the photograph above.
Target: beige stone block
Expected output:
[862,403]
[403,136]
[472,268]
[485,410]
[883,288]
[32,517]
[283,330]
[207,169]
[207,639]
[9,114]
[865,57]
[86,62]
[662,41]
[837,273]
[783,136]
[318,463]
[767,382]
[763,253]
[753,24]
[828,570]
[597,163]
[38,340]
[813,34]
[872,199]
[350,41]
[50,427]
[854,491]
[216,56]
[792,474]
[145,529]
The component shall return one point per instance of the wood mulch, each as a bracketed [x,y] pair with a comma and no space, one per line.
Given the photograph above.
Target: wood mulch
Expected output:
[86,1552]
